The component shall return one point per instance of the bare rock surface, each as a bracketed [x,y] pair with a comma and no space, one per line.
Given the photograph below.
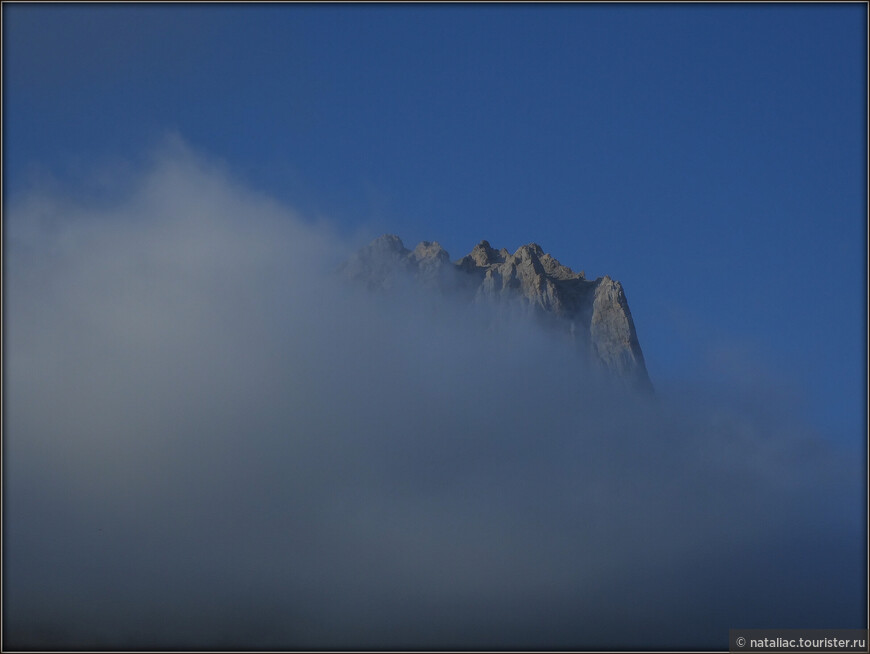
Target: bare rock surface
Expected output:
[593,313]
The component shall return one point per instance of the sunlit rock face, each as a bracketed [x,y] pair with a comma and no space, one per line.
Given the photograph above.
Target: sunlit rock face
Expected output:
[593,314]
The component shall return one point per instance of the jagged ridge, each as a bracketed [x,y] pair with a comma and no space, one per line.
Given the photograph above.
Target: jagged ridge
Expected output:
[594,313]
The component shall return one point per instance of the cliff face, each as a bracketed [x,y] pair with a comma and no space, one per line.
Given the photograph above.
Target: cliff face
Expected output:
[594,314]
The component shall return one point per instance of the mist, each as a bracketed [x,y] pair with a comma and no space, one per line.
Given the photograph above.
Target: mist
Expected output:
[214,441]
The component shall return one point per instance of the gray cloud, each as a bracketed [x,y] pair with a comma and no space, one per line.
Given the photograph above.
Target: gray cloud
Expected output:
[212,442]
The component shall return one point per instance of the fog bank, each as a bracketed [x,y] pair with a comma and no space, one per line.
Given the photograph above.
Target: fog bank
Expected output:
[212,440]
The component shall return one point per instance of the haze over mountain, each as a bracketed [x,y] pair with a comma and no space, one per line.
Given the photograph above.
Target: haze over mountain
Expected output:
[214,441]
[594,315]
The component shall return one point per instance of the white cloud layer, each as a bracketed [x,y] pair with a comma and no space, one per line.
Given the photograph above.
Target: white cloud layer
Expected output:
[211,441]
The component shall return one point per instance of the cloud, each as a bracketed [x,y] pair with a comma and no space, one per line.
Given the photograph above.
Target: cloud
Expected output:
[212,441]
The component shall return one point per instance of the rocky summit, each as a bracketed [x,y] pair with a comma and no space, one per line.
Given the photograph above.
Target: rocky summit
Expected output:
[594,314]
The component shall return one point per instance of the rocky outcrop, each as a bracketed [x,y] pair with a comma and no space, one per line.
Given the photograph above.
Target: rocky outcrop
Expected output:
[594,314]
[381,264]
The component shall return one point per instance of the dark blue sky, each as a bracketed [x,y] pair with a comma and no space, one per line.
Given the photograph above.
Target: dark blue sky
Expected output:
[710,157]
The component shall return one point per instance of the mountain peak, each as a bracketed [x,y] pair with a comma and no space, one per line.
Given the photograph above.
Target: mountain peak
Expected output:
[531,248]
[430,251]
[593,314]
[483,254]
[388,242]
